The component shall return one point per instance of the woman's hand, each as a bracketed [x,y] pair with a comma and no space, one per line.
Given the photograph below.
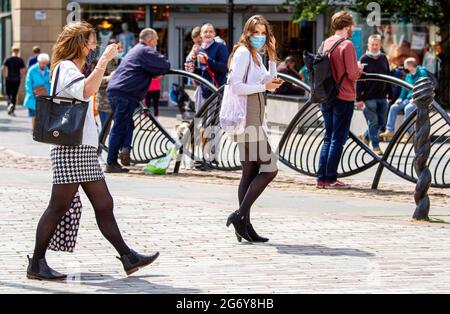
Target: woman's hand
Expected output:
[274,84]
[273,45]
[110,52]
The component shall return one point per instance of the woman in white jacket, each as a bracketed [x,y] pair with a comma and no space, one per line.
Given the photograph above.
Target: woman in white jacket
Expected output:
[250,77]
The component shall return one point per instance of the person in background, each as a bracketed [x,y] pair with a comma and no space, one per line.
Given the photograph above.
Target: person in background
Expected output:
[304,75]
[33,59]
[372,96]
[212,62]
[127,88]
[103,107]
[154,94]
[37,83]
[191,59]
[338,113]
[13,70]
[288,66]
[404,102]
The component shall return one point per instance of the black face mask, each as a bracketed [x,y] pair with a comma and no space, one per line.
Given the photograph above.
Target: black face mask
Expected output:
[91,57]
[406,71]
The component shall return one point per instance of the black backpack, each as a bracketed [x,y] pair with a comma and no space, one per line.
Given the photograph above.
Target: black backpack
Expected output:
[324,88]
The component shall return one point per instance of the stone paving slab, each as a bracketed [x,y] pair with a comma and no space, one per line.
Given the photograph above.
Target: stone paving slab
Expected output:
[200,255]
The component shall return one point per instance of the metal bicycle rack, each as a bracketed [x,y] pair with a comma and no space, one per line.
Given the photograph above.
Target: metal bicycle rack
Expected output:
[300,144]
[150,139]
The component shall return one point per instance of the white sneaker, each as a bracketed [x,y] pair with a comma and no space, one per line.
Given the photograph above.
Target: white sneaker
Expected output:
[11,110]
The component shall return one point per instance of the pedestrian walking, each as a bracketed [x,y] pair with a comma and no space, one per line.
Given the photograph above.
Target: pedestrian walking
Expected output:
[34,58]
[37,83]
[249,77]
[129,86]
[79,166]
[13,70]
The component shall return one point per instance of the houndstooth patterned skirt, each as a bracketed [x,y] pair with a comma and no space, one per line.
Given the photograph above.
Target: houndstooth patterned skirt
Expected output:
[75,164]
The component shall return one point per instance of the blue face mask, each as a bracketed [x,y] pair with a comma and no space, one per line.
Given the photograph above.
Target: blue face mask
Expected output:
[258,41]
[91,57]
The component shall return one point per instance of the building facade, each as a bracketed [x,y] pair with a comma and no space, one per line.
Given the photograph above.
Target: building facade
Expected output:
[5,31]
[174,21]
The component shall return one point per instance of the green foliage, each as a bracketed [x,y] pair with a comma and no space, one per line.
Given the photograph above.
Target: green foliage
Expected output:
[431,11]
[308,9]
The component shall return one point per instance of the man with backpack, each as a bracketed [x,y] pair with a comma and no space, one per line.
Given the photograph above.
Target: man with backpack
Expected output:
[334,73]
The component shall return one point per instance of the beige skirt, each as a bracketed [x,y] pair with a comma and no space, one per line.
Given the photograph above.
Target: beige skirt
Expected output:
[254,144]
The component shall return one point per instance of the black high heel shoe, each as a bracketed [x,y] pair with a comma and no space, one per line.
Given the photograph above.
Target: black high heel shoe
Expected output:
[42,271]
[240,226]
[255,237]
[134,261]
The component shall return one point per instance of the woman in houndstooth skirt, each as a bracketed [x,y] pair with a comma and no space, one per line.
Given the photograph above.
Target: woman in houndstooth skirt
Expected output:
[79,166]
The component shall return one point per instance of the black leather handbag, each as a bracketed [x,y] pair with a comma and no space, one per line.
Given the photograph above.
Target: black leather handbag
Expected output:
[60,120]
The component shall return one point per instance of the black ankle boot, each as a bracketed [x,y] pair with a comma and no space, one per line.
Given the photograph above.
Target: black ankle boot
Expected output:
[39,270]
[252,233]
[240,226]
[133,261]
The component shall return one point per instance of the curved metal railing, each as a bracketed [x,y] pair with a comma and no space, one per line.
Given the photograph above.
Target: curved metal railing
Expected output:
[301,144]
[150,139]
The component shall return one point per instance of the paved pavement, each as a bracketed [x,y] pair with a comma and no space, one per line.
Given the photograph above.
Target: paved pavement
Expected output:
[354,241]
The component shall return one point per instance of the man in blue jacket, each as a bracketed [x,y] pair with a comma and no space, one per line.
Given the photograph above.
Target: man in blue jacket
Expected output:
[212,59]
[127,88]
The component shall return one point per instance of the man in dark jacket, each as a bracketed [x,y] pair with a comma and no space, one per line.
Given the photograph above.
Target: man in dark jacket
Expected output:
[127,88]
[372,96]
[212,59]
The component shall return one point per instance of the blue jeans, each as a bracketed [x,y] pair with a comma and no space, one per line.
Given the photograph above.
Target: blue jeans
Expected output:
[337,117]
[375,112]
[405,105]
[103,117]
[122,130]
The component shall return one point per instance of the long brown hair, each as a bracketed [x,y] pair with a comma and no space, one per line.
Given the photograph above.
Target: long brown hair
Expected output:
[249,29]
[70,42]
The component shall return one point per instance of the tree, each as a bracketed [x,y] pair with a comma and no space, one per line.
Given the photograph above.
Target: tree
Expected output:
[436,12]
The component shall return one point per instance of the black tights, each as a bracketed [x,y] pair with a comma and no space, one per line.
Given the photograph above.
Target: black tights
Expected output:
[252,184]
[62,196]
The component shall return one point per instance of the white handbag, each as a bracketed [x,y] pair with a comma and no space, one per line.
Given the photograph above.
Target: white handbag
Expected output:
[233,111]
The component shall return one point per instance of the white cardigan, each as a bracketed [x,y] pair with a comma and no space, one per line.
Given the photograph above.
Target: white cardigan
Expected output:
[258,76]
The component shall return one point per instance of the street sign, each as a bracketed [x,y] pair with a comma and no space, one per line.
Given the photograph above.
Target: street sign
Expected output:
[40,15]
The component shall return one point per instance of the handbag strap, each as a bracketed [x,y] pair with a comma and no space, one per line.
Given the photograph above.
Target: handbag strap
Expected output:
[246,73]
[54,93]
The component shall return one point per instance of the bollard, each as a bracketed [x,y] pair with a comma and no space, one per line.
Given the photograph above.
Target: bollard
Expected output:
[423,94]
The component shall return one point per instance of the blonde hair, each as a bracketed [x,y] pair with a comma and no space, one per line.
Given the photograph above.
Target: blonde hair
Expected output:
[374,37]
[249,29]
[71,41]
[341,20]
